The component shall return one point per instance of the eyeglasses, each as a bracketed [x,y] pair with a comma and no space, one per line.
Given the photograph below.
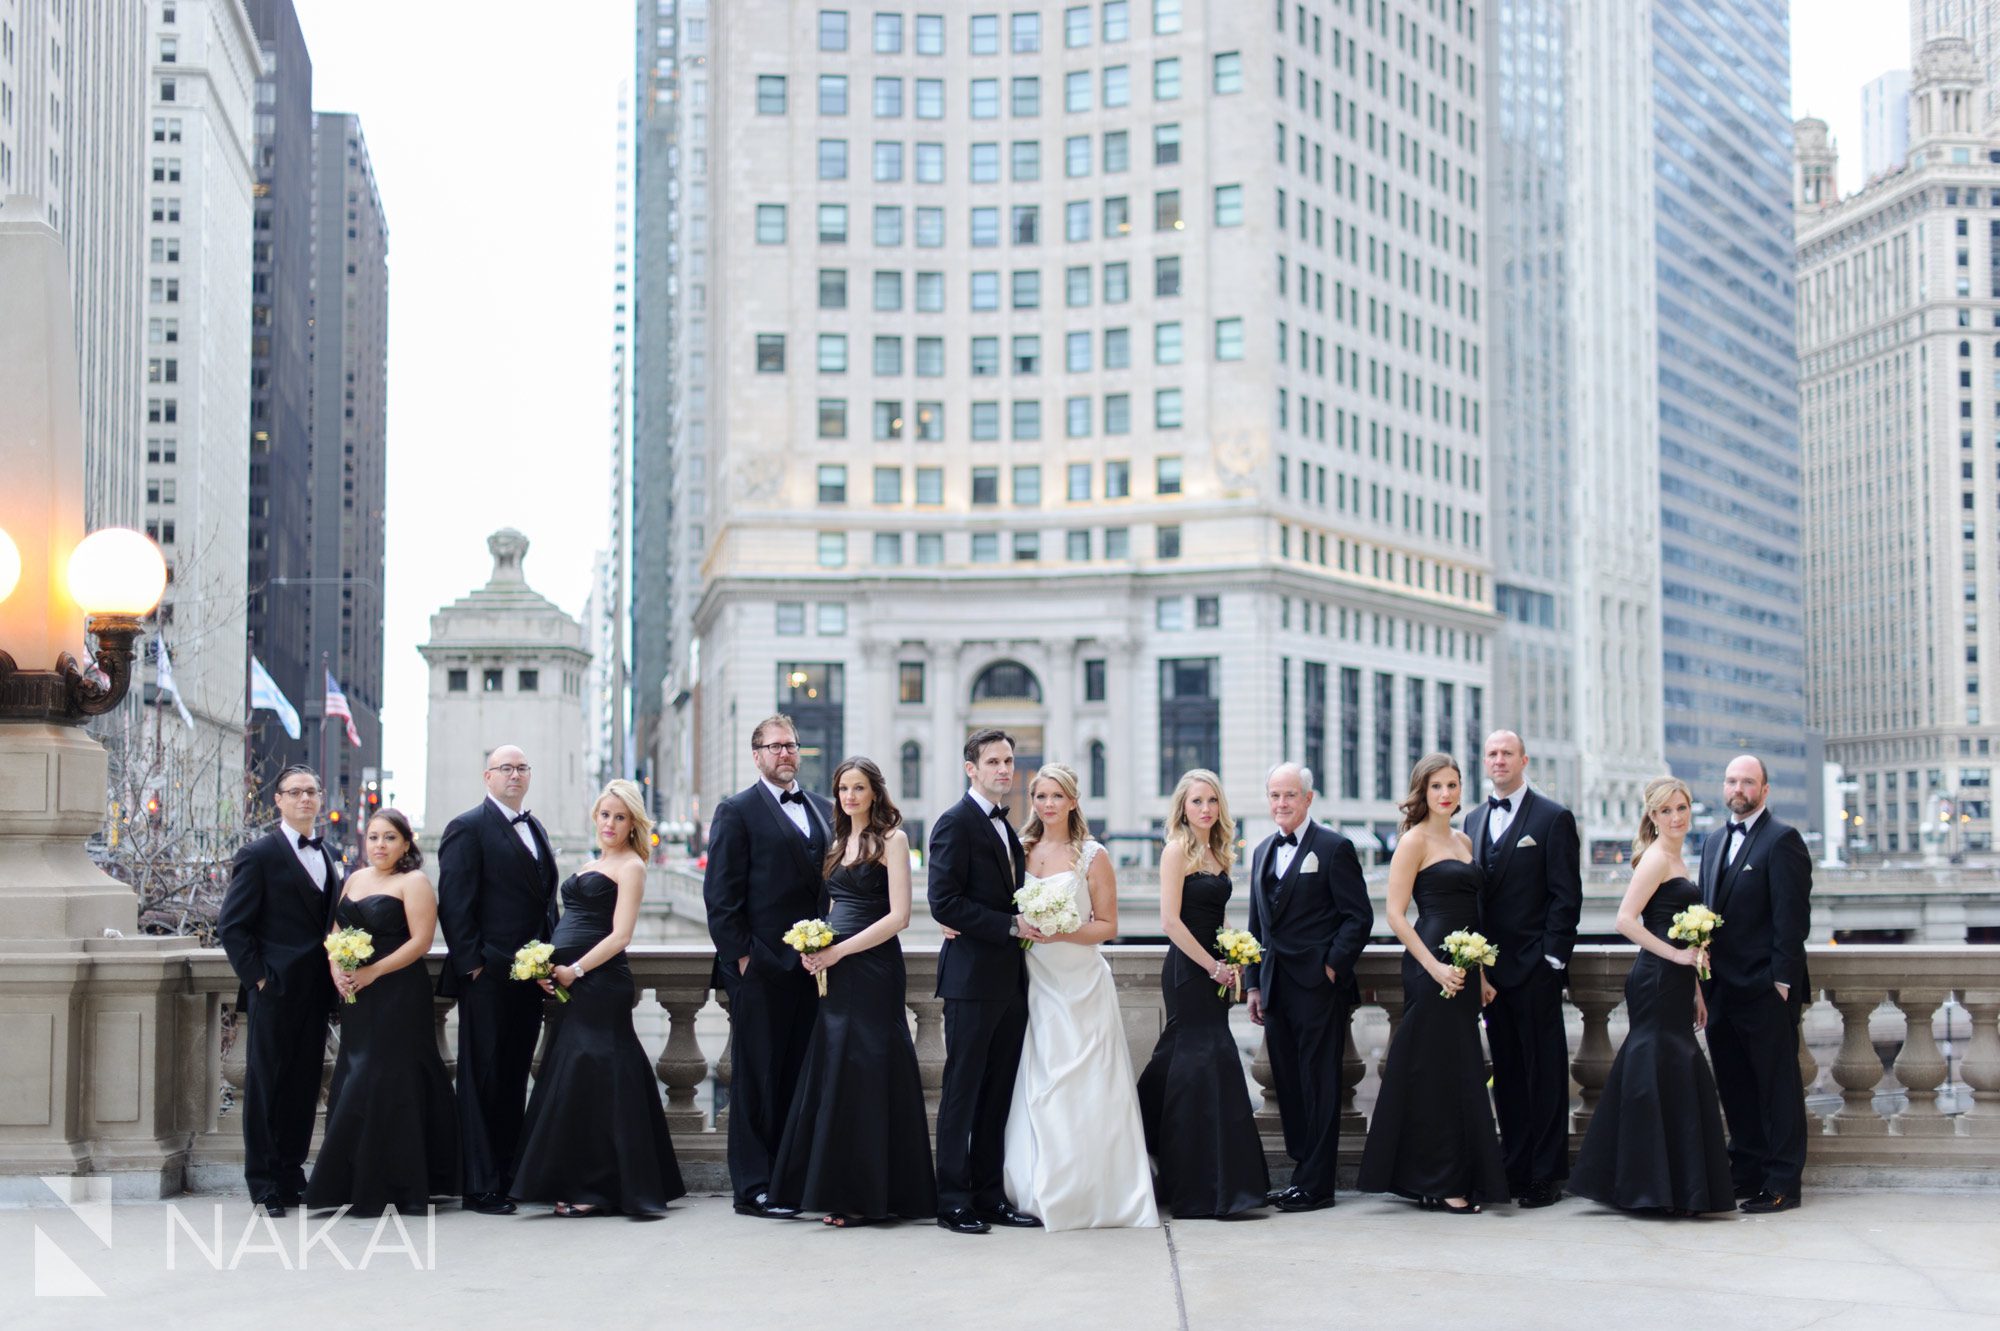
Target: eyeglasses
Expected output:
[300,792]
[510,769]
[778,748]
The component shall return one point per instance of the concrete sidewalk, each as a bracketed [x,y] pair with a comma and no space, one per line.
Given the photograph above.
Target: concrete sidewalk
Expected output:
[1849,1259]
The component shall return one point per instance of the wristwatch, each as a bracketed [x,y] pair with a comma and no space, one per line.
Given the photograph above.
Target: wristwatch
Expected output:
[576,970]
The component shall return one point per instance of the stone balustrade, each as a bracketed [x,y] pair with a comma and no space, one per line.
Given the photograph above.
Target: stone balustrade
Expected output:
[1914,1087]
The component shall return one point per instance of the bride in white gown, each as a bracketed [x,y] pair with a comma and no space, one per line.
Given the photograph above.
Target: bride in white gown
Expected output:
[1076,1150]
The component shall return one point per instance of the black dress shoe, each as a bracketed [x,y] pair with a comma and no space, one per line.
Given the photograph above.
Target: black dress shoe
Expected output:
[489,1203]
[1539,1194]
[1298,1199]
[275,1210]
[1770,1203]
[760,1205]
[962,1220]
[1743,1192]
[1005,1214]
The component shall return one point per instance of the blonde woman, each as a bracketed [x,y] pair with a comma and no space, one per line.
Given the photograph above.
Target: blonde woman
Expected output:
[1075,1154]
[1193,1096]
[1655,1141]
[595,1141]
[1432,1137]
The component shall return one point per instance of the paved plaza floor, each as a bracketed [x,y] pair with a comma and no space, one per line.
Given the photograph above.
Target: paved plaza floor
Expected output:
[1849,1259]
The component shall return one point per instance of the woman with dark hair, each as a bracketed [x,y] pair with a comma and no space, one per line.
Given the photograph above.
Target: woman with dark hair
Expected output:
[856,1145]
[391,1123]
[1432,1136]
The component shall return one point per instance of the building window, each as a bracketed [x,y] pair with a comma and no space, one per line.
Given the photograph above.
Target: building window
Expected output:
[1385,736]
[790,619]
[912,773]
[1167,476]
[1094,680]
[888,292]
[888,34]
[833,30]
[1167,408]
[1229,339]
[832,619]
[1077,547]
[833,223]
[770,353]
[1097,772]
[770,224]
[930,487]
[888,548]
[491,681]
[832,483]
[930,34]
[832,549]
[985,548]
[985,485]
[1117,478]
[1166,344]
[1117,543]
[1229,72]
[1167,275]
[1229,205]
[813,694]
[985,100]
[1167,542]
[1166,79]
[1117,86]
[833,94]
[1169,614]
[833,353]
[528,681]
[1190,718]
[833,418]
[1350,733]
[910,681]
[455,681]
[770,94]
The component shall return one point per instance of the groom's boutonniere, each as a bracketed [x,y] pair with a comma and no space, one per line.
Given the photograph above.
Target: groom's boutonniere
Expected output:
[1312,862]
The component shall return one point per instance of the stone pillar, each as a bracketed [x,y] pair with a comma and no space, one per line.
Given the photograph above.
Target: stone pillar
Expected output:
[1592,1064]
[1856,1069]
[1268,1119]
[1059,694]
[1981,1068]
[681,1066]
[873,697]
[929,1012]
[1352,1070]
[1129,782]
[1921,1065]
[947,746]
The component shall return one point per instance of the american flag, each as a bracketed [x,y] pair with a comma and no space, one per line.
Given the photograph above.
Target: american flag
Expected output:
[336,705]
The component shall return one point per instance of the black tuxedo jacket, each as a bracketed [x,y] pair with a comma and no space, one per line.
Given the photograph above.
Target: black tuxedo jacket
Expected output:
[274,922]
[1534,893]
[762,878]
[1765,900]
[1314,919]
[973,878]
[493,896]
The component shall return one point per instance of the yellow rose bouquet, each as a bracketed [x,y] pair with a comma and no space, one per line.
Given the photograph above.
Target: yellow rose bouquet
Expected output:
[1239,948]
[810,936]
[1466,949]
[536,961]
[350,950]
[1696,927]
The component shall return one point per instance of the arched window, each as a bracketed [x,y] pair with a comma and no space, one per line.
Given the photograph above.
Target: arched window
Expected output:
[1006,681]
[1097,781]
[913,770]
[1965,348]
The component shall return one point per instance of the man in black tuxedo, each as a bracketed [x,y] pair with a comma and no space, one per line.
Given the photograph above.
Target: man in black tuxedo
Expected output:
[1529,847]
[1757,875]
[496,891]
[767,845]
[1309,908]
[977,865]
[274,921]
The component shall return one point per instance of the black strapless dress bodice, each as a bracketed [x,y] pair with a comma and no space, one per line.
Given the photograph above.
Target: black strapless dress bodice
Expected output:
[588,900]
[391,1122]
[1194,1100]
[860,896]
[1655,1140]
[1432,1132]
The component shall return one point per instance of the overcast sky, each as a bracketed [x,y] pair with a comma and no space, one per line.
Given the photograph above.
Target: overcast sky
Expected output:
[493,133]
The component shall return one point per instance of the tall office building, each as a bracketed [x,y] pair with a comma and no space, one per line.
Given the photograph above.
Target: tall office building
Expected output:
[1111,373]
[608,618]
[281,496]
[197,360]
[1576,490]
[73,95]
[348,453]
[1899,317]
[1732,605]
[1885,124]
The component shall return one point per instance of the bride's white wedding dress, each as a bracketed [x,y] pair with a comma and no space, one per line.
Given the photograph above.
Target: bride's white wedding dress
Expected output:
[1076,1151]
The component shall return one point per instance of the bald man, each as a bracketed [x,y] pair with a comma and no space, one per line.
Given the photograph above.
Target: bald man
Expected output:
[1528,845]
[496,890]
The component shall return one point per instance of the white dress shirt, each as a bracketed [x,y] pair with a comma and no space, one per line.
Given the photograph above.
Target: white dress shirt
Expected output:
[520,829]
[793,809]
[310,858]
[1498,820]
[1736,839]
[1281,861]
[987,806]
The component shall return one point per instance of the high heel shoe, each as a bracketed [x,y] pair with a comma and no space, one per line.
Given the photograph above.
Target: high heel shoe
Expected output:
[1470,1208]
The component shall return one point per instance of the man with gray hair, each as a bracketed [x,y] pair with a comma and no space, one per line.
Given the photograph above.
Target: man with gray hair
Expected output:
[1309,909]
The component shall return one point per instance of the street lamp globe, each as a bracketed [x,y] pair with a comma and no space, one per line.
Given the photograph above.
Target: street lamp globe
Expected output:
[117,571]
[10,565]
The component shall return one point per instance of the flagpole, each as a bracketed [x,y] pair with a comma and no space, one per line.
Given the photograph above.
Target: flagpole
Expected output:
[249,707]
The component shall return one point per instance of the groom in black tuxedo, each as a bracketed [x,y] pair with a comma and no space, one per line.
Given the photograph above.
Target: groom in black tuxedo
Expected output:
[1757,875]
[274,920]
[1529,847]
[767,844]
[496,891]
[977,865]
[1309,908]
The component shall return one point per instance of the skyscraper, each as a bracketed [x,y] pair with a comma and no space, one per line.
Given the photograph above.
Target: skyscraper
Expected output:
[1111,374]
[1885,123]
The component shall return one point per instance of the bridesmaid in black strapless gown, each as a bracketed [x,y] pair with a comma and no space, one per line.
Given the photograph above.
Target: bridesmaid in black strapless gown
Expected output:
[856,1145]
[1656,1141]
[391,1122]
[1193,1098]
[596,1135]
[1432,1132]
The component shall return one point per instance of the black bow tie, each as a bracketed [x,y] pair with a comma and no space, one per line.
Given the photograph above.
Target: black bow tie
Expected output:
[792,797]
[1498,802]
[1288,839]
[314,841]
[520,818]
[1733,828]
[998,811]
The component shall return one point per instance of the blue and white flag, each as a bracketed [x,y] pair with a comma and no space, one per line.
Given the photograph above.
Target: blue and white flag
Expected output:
[264,693]
[164,682]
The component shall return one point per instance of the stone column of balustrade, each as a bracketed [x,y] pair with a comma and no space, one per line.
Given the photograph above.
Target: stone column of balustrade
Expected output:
[1596,983]
[681,1066]
[1921,1065]
[1857,1069]
[1981,1068]
[723,1066]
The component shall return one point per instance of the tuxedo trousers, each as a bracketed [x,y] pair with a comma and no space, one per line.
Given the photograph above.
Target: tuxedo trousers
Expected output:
[1305,1038]
[1524,1032]
[499,1025]
[1753,1043]
[284,1056]
[770,1028]
[982,1052]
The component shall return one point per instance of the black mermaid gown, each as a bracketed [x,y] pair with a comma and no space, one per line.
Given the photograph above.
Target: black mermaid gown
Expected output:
[1193,1100]
[1432,1132]
[856,1140]
[391,1123]
[595,1133]
[1656,1141]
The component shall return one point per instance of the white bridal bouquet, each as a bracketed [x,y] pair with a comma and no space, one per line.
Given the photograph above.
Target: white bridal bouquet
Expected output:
[1466,949]
[1047,904]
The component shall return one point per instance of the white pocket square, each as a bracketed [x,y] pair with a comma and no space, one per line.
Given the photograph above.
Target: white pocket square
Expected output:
[1525,842]
[1312,862]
